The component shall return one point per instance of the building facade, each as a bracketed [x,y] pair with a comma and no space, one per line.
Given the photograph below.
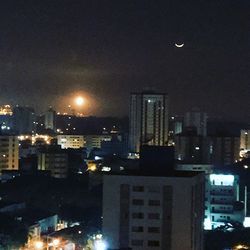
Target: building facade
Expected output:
[50,119]
[216,150]
[224,150]
[24,120]
[222,199]
[55,161]
[147,212]
[222,203]
[8,152]
[197,120]
[95,141]
[148,120]
[245,143]
[70,141]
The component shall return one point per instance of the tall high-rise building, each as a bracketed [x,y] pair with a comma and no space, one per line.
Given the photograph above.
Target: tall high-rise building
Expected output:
[198,120]
[8,152]
[24,120]
[148,120]
[50,119]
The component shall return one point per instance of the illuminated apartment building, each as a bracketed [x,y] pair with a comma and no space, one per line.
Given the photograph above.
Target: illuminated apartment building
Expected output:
[222,203]
[5,110]
[8,153]
[244,142]
[148,123]
[70,141]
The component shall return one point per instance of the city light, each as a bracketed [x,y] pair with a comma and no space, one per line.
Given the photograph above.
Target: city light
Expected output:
[100,245]
[240,246]
[91,166]
[56,242]
[79,100]
[38,245]
[221,179]
[207,224]
[6,110]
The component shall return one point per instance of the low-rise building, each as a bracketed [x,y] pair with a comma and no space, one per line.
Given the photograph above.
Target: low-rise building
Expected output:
[70,141]
[222,203]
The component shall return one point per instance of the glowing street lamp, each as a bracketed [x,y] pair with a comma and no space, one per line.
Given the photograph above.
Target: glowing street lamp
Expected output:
[56,242]
[38,245]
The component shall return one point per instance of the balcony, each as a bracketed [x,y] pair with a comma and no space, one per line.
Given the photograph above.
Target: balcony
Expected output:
[221,202]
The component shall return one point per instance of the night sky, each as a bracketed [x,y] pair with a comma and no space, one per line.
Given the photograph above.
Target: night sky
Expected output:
[52,50]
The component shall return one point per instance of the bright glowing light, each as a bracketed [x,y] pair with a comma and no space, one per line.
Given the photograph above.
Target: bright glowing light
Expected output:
[246,222]
[207,224]
[92,166]
[38,244]
[79,101]
[55,242]
[241,247]
[221,179]
[100,245]
[106,169]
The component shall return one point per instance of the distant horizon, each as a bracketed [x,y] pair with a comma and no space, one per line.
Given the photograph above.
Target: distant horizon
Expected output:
[215,118]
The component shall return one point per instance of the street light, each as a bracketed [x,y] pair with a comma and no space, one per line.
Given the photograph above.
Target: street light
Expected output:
[100,245]
[56,242]
[38,244]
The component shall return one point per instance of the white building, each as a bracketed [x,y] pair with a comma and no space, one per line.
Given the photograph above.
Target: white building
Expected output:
[148,120]
[8,152]
[222,203]
[70,141]
[149,212]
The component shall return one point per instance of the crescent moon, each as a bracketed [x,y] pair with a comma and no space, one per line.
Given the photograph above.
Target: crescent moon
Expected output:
[179,45]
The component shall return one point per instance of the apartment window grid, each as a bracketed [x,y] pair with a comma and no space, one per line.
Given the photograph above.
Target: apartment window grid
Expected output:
[149,221]
[150,196]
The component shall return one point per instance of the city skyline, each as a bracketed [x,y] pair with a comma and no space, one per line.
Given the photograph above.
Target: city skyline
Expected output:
[124,125]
